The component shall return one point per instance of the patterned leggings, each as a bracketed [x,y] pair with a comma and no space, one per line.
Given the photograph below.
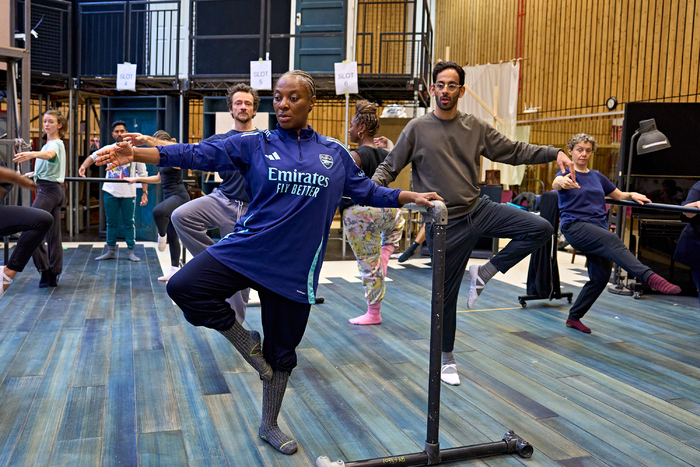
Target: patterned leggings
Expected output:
[368,229]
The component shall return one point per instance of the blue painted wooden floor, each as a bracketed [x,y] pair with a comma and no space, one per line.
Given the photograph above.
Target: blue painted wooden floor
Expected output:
[103,370]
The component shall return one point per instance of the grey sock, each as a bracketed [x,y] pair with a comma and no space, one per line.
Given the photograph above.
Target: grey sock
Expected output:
[133,257]
[248,345]
[109,254]
[273,393]
[448,358]
[487,271]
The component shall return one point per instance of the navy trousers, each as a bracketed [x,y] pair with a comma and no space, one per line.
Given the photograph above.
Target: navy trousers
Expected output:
[602,248]
[527,231]
[201,288]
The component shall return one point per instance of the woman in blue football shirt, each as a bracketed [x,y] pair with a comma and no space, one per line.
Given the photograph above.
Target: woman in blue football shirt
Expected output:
[295,179]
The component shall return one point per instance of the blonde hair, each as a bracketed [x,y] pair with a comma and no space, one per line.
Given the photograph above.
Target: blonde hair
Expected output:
[61,120]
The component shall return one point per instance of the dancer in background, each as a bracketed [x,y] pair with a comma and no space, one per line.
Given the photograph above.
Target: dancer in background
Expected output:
[584,223]
[373,233]
[119,198]
[175,194]
[296,178]
[49,174]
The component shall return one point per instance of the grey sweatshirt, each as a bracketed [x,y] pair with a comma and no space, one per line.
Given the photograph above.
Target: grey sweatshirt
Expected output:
[445,157]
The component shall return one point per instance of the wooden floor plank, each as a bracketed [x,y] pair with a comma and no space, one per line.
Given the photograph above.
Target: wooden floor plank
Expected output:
[211,379]
[119,446]
[198,430]
[16,398]
[76,453]
[83,414]
[34,355]
[236,443]
[92,363]
[156,404]
[162,449]
[35,444]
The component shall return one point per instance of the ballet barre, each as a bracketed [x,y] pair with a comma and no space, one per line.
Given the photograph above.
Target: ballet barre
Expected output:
[511,443]
[654,206]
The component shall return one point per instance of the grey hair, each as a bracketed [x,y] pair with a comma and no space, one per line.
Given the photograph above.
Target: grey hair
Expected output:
[306,78]
[581,138]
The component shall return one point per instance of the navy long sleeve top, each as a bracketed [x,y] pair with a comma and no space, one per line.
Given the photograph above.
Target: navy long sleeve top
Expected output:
[296,182]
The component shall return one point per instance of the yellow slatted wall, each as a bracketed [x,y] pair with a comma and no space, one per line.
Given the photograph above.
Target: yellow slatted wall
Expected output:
[577,54]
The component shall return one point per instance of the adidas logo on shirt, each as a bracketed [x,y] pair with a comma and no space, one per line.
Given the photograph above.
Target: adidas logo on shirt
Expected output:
[273,157]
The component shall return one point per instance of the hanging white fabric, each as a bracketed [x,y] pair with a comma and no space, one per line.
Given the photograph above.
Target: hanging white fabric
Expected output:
[485,81]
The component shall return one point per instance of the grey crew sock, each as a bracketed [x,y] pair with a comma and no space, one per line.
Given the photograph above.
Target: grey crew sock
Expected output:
[133,257]
[248,345]
[109,254]
[448,358]
[487,271]
[273,393]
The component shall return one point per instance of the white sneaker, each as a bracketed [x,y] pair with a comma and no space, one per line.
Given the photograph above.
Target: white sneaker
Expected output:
[448,374]
[167,277]
[477,285]
[162,242]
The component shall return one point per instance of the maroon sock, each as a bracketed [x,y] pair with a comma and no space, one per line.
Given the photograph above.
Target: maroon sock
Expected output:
[576,324]
[662,285]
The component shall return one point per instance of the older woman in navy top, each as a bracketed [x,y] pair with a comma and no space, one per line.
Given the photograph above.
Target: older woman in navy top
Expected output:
[584,223]
[295,179]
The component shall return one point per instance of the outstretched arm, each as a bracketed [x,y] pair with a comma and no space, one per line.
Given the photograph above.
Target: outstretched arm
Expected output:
[629,196]
[123,153]
[137,139]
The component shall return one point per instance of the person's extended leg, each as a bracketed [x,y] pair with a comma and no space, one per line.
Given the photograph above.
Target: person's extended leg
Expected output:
[200,289]
[33,223]
[284,323]
[599,269]
[527,232]
[589,238]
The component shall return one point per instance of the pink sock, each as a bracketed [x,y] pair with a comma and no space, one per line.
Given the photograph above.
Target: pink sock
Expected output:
[373,315]
[387,250]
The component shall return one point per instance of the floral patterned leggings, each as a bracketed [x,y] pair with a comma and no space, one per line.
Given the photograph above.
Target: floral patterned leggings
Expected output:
[368,230]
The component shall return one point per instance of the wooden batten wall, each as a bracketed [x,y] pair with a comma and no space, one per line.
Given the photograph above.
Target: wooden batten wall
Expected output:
[577,54]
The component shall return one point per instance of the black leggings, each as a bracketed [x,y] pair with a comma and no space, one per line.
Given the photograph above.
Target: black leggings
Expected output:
[201,288]
[50,197]
[33,223]
[161,215]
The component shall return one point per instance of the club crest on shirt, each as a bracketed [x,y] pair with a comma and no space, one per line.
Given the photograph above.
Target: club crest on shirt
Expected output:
[326,160]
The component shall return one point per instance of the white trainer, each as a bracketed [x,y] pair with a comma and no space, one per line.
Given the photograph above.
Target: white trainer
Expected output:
[167,277]
[448,374]
[162,242]
[477,285]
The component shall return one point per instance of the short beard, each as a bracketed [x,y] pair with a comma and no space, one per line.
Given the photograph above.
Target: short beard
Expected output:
[237,118]
[451,105]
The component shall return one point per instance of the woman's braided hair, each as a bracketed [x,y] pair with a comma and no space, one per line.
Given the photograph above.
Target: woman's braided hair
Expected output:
[366,114]
[306,78]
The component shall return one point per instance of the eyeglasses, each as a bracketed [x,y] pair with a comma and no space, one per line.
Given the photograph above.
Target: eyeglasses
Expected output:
[452,87]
